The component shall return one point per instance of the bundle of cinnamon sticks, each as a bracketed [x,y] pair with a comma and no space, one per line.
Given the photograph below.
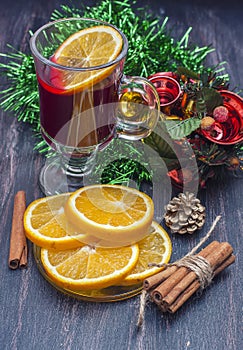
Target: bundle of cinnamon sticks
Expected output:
[170,288]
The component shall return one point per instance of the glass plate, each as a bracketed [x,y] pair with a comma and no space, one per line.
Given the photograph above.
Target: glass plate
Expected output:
[113,293]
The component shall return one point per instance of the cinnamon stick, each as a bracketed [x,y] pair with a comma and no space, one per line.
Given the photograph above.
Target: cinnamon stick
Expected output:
[187,293]
[230,260]
[179,288]
[220,254]
[18,245]
[154,280]
[165,287]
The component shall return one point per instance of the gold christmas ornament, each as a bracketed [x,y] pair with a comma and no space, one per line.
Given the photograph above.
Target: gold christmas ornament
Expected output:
[184,214]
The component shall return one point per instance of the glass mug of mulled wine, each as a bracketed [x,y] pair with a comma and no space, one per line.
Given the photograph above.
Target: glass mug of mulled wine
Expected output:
[85,99]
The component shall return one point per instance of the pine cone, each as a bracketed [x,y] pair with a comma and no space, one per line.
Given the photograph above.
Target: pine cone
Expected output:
[184,214]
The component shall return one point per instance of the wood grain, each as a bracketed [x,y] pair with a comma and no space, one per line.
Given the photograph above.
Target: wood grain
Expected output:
[33,315]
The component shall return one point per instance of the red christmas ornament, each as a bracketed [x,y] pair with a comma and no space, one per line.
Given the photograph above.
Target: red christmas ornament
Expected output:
[230,131]
[167,86]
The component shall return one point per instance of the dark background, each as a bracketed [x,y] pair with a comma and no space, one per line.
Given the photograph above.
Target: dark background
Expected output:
[33,315]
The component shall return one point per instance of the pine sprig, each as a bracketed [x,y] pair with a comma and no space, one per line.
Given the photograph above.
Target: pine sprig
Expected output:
[128,164]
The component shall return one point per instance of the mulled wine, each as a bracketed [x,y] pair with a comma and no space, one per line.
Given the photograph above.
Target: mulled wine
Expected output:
[78,118]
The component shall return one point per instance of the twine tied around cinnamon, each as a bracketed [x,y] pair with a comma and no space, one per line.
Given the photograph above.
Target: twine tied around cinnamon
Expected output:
[191,263]
[200,266]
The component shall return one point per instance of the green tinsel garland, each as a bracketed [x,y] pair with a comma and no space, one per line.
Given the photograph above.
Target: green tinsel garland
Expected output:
[151,49]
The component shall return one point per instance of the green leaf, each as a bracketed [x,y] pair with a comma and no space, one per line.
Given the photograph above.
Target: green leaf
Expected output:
[179,129]
[187,72]
[211,97]
[201,105]
[158,143]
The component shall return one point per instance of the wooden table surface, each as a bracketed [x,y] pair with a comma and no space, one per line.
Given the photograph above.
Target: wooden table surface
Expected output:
[33,315]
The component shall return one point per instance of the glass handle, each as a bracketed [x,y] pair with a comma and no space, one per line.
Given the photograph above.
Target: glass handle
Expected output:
[138,108]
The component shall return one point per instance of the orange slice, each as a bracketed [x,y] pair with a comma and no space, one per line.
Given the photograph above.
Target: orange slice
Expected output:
[46,225]
[111,212]
[154,248]
[89,268]
[90,47]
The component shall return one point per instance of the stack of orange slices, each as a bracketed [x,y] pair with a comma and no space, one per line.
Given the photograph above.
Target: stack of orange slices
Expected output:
[84,237]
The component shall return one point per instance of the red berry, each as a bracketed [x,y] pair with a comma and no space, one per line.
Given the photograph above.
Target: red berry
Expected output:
[220,114]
